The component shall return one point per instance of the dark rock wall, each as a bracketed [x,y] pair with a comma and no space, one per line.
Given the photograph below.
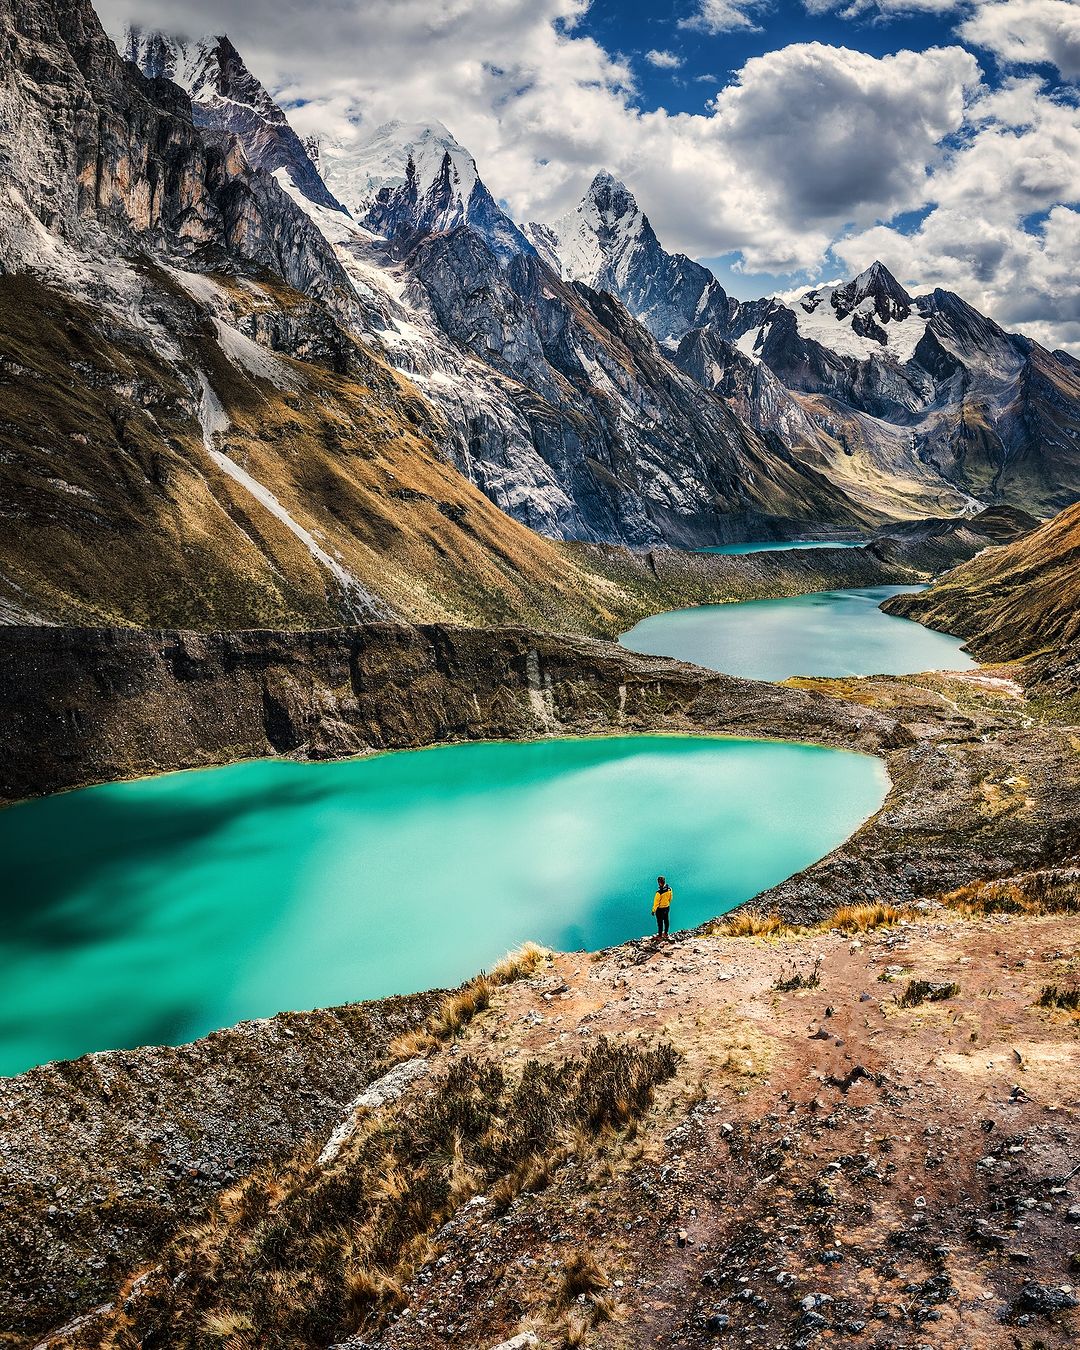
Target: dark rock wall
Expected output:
[91,705]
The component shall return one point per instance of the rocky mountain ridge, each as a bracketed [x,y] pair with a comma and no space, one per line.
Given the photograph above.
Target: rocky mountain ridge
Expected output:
[226,97]
[904,406]
[960,405]
[544,393]
[563,410]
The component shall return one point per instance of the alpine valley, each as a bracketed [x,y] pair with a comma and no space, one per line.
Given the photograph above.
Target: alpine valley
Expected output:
[309,450]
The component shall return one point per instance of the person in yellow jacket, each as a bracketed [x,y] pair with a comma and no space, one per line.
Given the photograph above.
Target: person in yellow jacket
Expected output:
[661,907]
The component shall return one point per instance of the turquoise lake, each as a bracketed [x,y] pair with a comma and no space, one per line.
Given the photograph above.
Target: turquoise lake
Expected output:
[825,633]
[776,545]
[157,910]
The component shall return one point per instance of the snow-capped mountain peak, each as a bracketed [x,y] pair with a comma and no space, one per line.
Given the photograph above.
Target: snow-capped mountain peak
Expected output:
[864,317]
[614,203]
[597,236]
[226,96]
[360,169]
[409,178]
[607,242]
[876,283]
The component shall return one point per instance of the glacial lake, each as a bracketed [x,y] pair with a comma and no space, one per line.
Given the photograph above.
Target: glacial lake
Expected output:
[154,911]
[775,545]
[824,633]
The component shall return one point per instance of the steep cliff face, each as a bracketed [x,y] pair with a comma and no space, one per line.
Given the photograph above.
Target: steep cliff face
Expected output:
[608,243]
[226,97]
[88,704]
[644,452]
[95,149]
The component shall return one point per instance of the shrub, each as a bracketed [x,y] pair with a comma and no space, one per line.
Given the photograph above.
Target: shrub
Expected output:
[1060,996]
[925,991]
[786,984]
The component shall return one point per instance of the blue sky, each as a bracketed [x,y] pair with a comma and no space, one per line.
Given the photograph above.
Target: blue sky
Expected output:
[783,143]
[636,27]
[701,62]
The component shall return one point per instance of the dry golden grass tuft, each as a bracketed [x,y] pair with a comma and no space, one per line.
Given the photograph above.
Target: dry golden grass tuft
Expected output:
[459,1008]
[748,923]
[1053,891]
[520,963]
[864,918]
[575,1327]
[368,1287]
[225,1325]
[1063,996]
[326,1252]
[581,1274]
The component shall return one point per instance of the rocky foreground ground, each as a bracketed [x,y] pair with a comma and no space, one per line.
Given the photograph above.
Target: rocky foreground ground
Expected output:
[825,1166]
[756,1135]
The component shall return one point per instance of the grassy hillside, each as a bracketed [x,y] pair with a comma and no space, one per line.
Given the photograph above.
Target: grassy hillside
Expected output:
[1017,600]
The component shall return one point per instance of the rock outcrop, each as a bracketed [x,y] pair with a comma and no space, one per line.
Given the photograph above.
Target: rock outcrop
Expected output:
[97,152]
[95,704]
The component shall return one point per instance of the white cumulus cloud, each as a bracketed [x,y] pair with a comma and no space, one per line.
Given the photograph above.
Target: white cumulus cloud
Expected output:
[1024,32]
[853,9]
[663,60]
[1004,230]
[723,16]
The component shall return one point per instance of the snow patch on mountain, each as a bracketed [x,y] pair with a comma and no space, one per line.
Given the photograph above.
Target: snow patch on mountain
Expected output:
[818,321]
[869,317]
[251,358]
[602,231]
[358,170]
[409,179]
[214,420]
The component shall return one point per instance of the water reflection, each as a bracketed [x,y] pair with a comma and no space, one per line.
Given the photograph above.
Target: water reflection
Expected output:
[160,909]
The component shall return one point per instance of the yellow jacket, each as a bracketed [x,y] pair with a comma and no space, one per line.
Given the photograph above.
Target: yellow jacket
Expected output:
[661,900]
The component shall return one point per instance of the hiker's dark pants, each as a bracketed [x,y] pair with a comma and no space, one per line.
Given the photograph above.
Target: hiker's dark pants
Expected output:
[662,920]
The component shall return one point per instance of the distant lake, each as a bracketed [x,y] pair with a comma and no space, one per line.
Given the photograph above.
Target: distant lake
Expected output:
[824,633]
[156,910]
[773,545]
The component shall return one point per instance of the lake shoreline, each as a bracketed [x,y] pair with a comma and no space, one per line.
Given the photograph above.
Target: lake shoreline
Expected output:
[187,902]
[147,703]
